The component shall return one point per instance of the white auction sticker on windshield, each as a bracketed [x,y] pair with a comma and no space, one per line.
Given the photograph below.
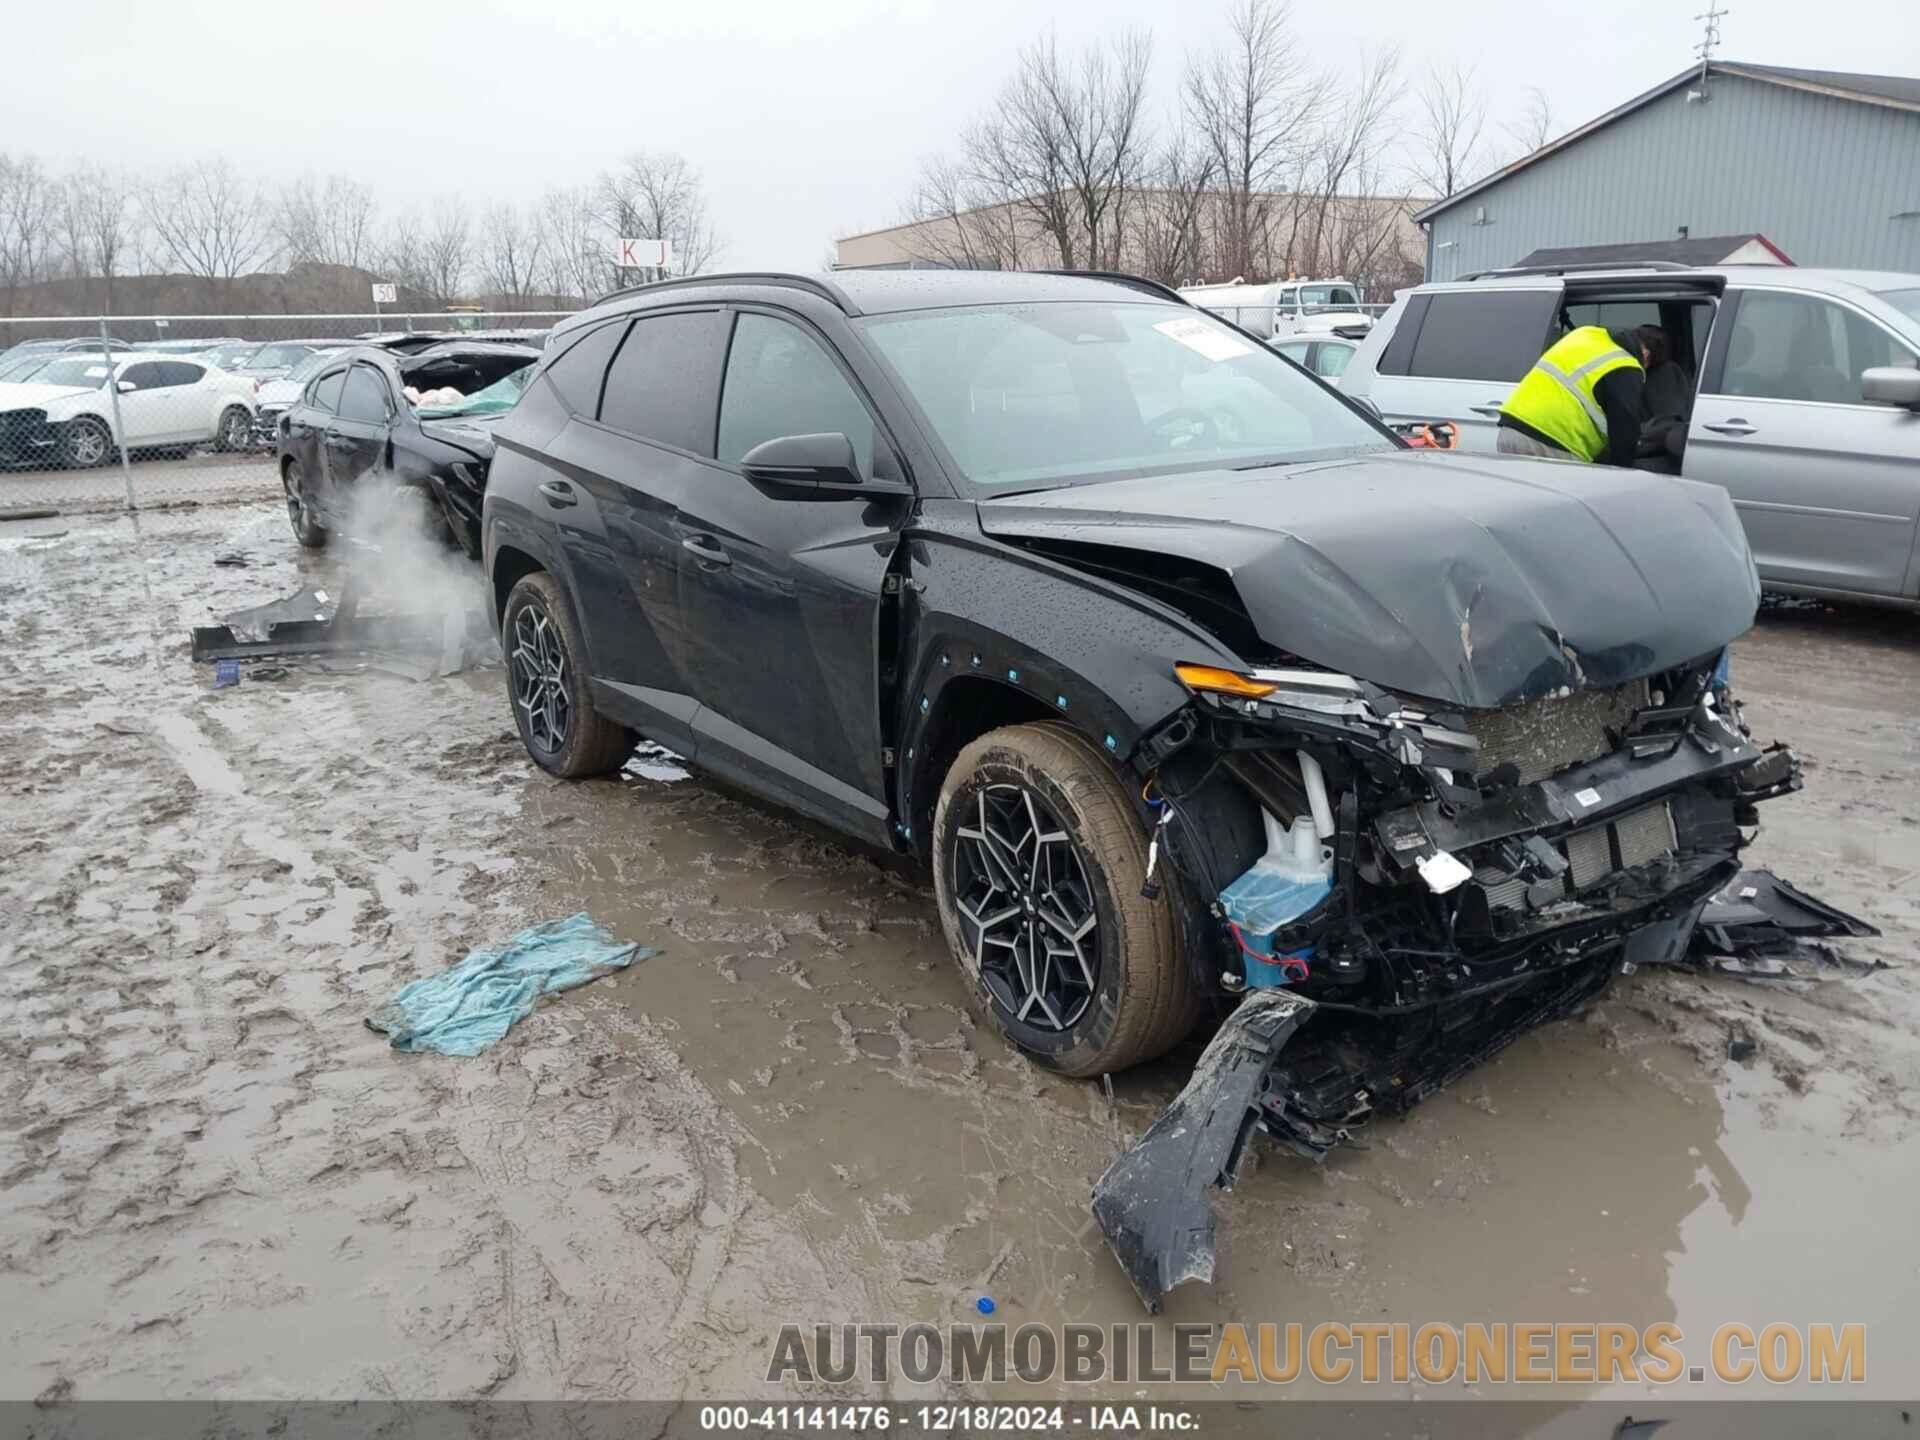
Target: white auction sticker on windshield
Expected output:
[1196,334]
[95,372]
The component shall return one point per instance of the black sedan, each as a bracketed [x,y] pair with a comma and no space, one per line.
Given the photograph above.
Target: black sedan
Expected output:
[375,417]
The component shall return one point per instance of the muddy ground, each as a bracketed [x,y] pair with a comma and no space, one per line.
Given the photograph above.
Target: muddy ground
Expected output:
[218,1182]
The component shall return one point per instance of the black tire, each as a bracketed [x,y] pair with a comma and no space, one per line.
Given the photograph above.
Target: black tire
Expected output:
[1141,1000]
[85,444]
[307,528]
[547,686]
[235,430]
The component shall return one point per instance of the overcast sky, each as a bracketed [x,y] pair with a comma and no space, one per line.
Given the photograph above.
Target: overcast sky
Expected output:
[806,117]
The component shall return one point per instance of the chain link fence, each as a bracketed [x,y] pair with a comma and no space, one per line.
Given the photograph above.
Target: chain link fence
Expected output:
[107,413]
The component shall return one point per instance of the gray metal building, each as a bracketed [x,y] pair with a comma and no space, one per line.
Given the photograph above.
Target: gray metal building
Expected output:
[1826,165]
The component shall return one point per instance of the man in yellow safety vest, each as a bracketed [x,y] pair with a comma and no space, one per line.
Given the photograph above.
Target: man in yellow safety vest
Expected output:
[1584,398]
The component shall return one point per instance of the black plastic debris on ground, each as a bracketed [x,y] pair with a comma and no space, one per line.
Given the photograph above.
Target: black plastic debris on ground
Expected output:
[1761,928]
[313,623]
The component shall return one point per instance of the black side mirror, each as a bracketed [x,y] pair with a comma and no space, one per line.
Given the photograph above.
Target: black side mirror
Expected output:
[818,464]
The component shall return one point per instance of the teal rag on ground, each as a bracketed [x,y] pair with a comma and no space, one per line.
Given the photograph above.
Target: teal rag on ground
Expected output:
[465,1010]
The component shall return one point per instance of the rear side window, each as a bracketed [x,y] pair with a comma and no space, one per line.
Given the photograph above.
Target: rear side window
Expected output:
[665,382]
[1482,335]
[578,373]
[780,382]
[365,397]
[325,392]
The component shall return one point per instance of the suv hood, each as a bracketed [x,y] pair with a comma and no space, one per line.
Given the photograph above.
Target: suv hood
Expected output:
[1475,581]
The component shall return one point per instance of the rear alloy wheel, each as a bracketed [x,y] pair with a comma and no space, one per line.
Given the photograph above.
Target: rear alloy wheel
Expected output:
[1038,861]
[307,528]
[236,430]
[552,707]
[85,443]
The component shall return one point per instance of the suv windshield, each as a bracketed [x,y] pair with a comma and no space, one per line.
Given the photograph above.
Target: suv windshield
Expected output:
[1034,395]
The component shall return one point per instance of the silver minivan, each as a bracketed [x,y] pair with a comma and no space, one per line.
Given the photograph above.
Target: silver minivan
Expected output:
[1797,390]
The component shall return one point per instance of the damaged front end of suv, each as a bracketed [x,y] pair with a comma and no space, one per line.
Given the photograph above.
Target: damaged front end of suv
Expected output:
[1489,872]
[1439,803]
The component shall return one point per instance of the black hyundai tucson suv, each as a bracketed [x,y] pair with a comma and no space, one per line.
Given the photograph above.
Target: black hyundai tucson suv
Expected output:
[1086,600]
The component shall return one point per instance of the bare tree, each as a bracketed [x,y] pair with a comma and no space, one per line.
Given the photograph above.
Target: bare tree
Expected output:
[1449,128]
[402,254]
[329,222]
[1089,113]
[512,244]
[1533,128]
[1166,230]
[211,221]
[26,223]
[1256,103]
[961,219]
[576,253]
[1343,163]
[446,249]
[657,195]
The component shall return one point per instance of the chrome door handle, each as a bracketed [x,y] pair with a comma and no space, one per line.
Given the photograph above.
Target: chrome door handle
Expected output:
[559,494]
[1730,427]
[702,548]
[1491,408]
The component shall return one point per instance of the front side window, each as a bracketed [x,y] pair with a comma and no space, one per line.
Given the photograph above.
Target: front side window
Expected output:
[780,382]
[143,377]
[365,396]
[179,372]
[1027,396]
[1800,347]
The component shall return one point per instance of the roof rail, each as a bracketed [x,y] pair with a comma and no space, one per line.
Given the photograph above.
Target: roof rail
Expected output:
[1120,277]
[1576,268]
[810,283]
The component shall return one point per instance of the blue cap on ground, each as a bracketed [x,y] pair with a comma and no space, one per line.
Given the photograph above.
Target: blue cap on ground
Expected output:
[984,1305]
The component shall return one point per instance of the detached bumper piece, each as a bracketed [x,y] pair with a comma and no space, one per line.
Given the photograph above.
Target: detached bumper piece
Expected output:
[1491,871]
[1152,1202]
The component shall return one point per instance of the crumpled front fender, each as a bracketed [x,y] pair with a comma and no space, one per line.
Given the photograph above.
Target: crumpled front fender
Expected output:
[1152,1202]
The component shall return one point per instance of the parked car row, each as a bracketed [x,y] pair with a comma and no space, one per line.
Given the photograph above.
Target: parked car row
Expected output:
[56,408]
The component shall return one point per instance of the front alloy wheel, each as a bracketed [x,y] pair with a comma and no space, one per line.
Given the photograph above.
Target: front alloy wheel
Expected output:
[1026,908]
[1039,858]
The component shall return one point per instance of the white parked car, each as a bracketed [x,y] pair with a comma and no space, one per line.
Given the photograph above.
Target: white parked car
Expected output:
[275,397]
[64,413]
[1292,307]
